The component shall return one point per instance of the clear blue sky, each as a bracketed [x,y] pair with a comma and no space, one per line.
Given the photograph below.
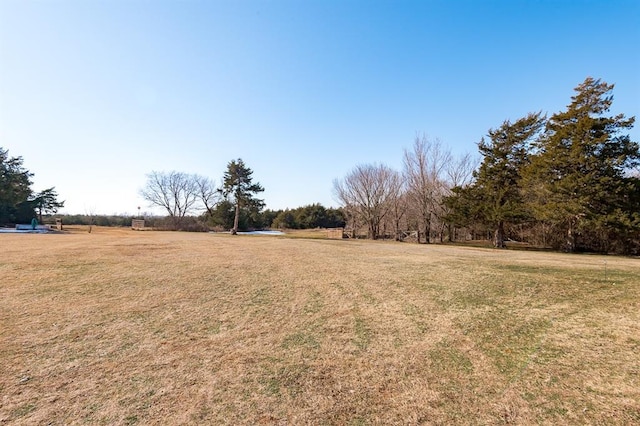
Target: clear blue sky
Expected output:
[95,94]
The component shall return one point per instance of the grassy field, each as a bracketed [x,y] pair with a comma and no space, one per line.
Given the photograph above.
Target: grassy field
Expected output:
[124,327]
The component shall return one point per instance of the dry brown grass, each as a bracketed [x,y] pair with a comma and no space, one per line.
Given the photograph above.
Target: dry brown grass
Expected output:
[125,327]
[317,233]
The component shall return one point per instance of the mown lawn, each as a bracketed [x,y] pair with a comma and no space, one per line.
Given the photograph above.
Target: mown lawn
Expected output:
[125,327]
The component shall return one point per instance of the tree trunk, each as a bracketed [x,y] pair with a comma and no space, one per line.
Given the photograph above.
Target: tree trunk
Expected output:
[571,237]
[427,232]
[498,236]
[236,219]
[175,222]
[373,231]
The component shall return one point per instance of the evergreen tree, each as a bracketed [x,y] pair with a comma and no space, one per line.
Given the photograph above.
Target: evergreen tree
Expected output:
[576,180]
[495,197]
[238,183]
[222,214]
[309,216]
[47,202]
[15,190]
[267,217]
[285,220]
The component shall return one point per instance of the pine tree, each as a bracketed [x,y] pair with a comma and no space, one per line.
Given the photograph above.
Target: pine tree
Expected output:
[238,183]
[46,202]
[15,190]
[577,179]
[495,197]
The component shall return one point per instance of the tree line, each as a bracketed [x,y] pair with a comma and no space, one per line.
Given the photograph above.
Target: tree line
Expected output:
[568,182]
[404,205]
[19,203]
[192,202]
[195,202]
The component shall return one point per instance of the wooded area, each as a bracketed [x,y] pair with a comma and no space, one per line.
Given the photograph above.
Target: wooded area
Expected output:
[569,182]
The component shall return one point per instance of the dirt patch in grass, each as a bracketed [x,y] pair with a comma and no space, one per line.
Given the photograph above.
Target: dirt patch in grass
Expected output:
[125,327]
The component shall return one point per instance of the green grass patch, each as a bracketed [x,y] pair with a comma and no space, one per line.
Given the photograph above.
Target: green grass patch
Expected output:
[284,379]
[23,410]
[509,338]
[417,316]
[301,339]
[363,333]
[446,358]
[315,303]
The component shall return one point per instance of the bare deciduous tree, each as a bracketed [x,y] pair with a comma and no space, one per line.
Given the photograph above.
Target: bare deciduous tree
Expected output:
[365,193]
[90,212]
[176,192]
[208,193]
[459,171]
[397,202]
[424,167]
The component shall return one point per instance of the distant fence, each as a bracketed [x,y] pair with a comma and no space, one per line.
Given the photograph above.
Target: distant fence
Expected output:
[137,224]
[335,233]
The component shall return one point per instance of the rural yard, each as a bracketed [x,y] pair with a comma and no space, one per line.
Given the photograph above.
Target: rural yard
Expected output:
[126,327]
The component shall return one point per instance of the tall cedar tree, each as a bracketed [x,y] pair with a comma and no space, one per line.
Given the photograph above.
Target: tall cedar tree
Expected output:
[15,190]
[498,180]
[237,182]
[495,197]
[577,179]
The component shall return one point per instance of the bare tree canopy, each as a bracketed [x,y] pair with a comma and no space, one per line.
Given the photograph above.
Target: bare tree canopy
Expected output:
[366,194]
[424,168]
[208,193]
[459,171]
[397,202]
[176,192]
